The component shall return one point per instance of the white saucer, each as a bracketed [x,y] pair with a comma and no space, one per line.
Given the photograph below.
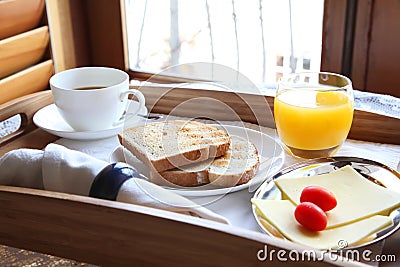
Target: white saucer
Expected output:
[49,119]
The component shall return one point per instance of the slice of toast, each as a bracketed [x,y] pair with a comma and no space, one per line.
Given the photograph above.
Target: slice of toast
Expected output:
[237,166]
[170,144]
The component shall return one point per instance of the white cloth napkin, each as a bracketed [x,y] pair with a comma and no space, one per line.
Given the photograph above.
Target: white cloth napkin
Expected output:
[60,169]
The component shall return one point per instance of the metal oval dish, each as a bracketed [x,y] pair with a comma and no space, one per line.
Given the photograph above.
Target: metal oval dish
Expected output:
[369,169]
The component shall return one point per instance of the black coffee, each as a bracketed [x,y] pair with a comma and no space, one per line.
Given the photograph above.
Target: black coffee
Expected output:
[90,87]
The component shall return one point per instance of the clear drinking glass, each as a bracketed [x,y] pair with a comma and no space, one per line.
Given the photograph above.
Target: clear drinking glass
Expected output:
[313,113]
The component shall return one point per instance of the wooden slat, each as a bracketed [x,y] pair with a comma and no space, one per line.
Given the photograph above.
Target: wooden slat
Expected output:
[30,80]
[117,234]
[24,50]
[19,16]
[215,105]
[256,109]
[374,127]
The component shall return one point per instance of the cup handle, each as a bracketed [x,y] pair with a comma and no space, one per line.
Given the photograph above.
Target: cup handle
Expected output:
[142,103]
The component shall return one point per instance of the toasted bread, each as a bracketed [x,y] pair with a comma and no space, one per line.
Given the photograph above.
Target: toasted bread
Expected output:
[237,166]
[170,144]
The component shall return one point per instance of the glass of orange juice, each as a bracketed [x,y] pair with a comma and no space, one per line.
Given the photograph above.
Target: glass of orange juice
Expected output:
[313,113]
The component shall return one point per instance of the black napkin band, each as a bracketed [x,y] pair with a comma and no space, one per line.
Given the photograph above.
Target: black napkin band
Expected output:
[107,183]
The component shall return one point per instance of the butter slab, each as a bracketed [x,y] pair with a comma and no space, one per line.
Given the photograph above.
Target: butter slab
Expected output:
[279,213]
[357,198]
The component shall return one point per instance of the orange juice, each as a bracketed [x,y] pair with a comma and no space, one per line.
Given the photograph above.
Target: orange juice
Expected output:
[313,120]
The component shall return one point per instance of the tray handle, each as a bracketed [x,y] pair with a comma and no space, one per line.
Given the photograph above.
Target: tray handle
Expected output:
[22,110]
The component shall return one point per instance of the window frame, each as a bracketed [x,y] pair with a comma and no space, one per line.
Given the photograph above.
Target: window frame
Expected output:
[92,33]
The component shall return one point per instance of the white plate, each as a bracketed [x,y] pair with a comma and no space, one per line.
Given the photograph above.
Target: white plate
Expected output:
[271,160]
[49,119]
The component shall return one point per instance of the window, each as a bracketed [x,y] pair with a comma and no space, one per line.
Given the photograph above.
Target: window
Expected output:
[262,39]
[90,32]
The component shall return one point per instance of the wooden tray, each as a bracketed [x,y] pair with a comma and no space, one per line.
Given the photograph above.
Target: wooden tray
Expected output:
[115,234]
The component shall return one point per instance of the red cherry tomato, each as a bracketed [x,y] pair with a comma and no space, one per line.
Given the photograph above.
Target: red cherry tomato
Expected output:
[311,216]
[320,196]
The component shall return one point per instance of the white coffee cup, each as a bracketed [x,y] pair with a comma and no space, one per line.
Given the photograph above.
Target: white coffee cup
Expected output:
[93,98]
